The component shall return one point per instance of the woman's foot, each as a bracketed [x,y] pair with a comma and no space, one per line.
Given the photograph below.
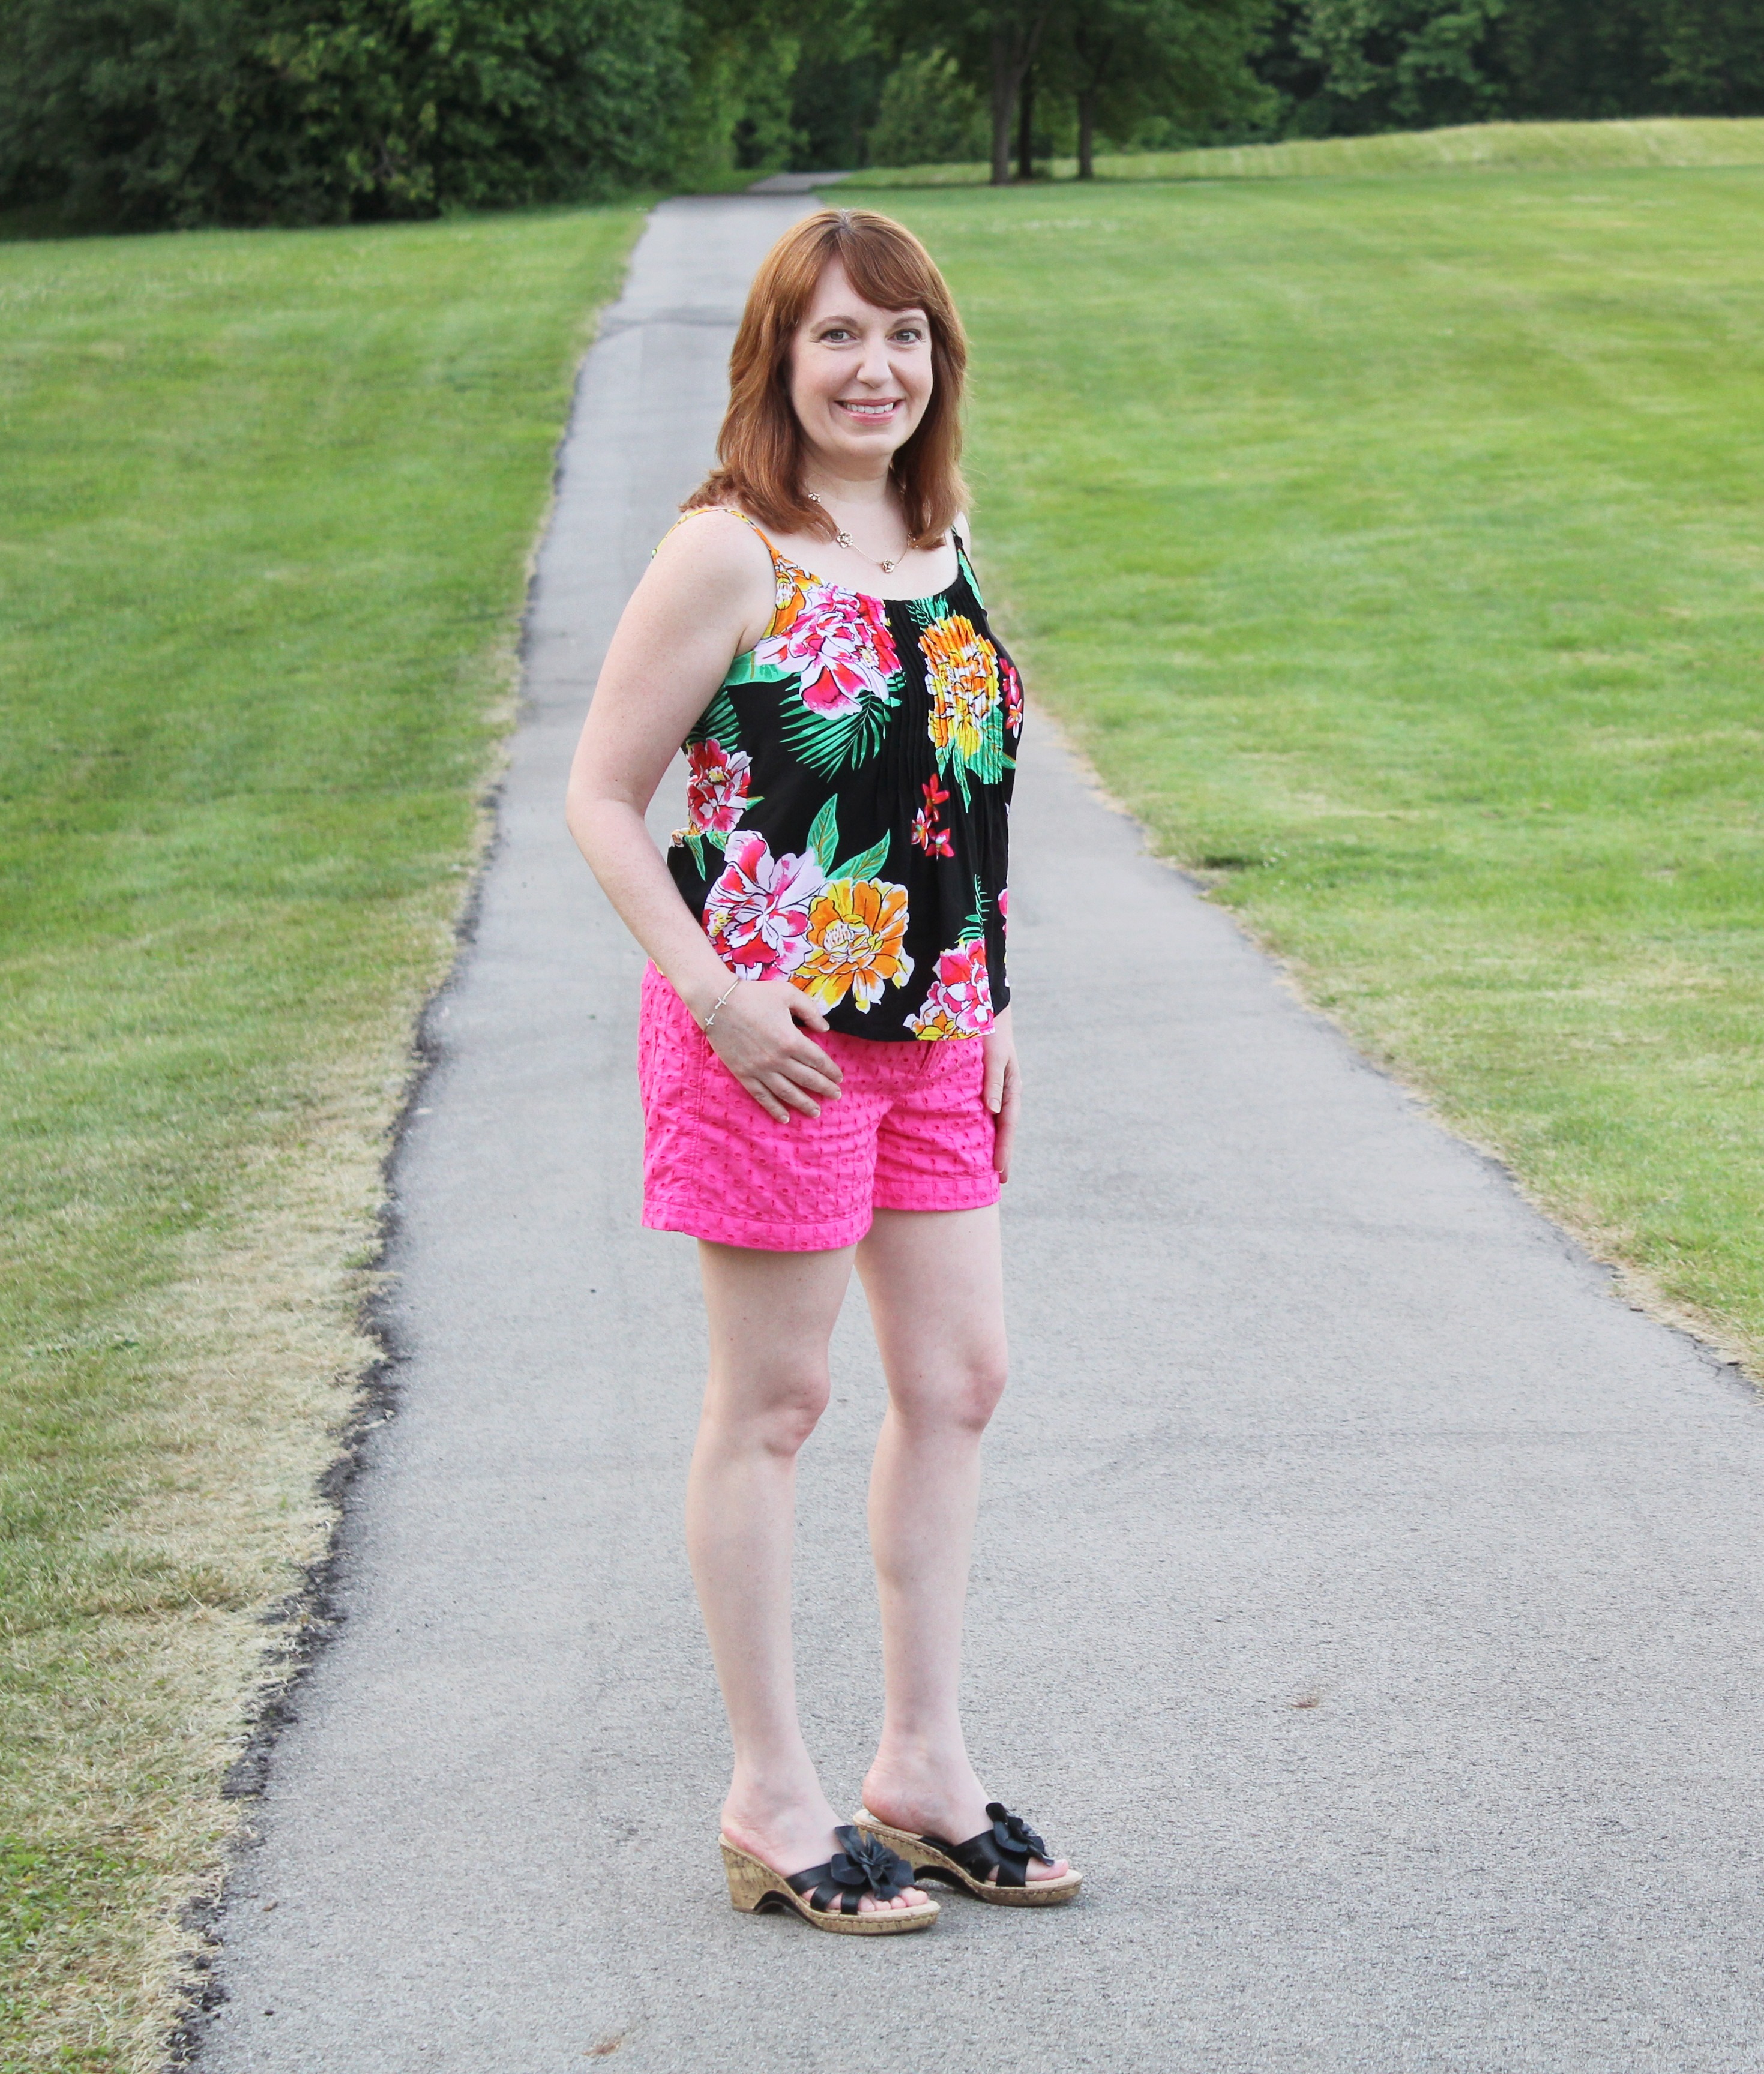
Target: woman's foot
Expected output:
[789,1838]
[919,1799]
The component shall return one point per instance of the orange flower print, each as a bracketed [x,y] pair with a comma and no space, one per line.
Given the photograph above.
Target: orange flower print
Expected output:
[961,674]
[855,930]
[789,594]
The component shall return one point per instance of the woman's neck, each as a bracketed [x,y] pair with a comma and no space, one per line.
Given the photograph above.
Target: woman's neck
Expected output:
[874,488]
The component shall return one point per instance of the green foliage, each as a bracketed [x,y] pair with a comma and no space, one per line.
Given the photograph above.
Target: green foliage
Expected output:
[928,114]
[743,56]
[1357,67]
[183,112]
[847,51]
[1713,56]
[1395,64]
[1182,63]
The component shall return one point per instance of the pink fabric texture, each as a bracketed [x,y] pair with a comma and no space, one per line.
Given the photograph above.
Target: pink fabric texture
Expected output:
[910,1131]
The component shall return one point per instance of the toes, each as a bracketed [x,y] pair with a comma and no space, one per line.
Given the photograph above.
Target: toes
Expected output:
[909,1897]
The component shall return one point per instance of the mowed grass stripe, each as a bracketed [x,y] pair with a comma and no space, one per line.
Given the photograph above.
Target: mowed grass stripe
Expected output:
[269,501]
[1394,547]
[1654,140]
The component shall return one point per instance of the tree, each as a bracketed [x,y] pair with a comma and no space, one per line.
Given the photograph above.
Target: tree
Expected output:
[847,58]
[994,41]
[1361,65]
[183,112]
[1187,60]
[1366,65]
[928,114]
[1713,56]
[1117,59]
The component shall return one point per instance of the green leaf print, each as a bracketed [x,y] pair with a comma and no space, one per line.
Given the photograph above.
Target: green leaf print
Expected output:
[744,670]
[967,569]
[989,766]
[952,764]
[866,866]
[695,840]
[823,836]
[829,743]
[718,721]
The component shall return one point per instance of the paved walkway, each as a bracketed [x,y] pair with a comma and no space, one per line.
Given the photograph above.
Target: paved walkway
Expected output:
[1373,1607]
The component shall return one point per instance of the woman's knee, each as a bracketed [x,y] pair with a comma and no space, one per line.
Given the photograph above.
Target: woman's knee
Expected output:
[963,1394]
[776,1412]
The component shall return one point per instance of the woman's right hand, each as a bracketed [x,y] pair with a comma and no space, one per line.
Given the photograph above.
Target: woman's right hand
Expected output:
[760,1034]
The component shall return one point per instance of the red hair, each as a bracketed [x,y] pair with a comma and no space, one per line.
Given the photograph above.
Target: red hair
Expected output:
[759,450]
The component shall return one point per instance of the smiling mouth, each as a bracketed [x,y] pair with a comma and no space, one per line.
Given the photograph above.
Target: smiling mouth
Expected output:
[867,407]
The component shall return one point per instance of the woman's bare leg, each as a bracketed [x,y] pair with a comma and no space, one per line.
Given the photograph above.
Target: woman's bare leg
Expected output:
[772,1315]
[937,1297]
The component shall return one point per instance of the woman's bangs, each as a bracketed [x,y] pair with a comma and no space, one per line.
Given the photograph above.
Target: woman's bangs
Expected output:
[887,273]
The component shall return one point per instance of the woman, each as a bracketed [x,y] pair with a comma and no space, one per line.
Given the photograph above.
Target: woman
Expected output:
[825,1054]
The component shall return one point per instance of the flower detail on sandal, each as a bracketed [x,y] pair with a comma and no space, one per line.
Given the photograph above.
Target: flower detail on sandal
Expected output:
[831,1896]
[1014,1837]
[993,1866]
[867,1866]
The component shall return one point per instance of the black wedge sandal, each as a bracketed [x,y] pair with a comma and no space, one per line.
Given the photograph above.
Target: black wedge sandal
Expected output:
[992,1866]
[828,1896]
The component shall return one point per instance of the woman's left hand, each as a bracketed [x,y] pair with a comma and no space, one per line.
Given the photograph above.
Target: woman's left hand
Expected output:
[1002,1088]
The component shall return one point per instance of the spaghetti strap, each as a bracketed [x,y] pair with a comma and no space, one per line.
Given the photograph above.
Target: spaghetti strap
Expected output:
[698,510]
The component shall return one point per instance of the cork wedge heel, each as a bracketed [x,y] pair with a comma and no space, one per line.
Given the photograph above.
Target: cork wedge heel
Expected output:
[992,1866]
[830,1896]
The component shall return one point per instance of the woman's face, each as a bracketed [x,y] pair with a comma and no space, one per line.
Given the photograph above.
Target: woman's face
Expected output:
[860,377]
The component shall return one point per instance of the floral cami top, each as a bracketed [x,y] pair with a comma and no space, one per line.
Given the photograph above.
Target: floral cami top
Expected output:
[846,795]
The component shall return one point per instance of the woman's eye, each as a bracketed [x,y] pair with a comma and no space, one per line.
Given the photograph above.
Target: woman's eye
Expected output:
[910,335]
[833,337]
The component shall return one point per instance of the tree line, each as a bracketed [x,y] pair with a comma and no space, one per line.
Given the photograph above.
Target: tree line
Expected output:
[183,111]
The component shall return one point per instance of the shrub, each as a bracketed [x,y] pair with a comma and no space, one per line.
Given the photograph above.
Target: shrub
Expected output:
[928,115]
[180,112]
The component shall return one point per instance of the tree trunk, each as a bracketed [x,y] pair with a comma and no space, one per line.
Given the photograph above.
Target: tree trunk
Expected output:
[1014,43]
[1087,136]
[1026,127]
[1006,74]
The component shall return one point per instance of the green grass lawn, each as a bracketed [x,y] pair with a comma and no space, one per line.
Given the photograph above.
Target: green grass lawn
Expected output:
[268,502]
[1394,548]
[1659,140]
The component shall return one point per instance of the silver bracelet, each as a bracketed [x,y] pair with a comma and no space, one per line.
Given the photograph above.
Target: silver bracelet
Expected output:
[721,998]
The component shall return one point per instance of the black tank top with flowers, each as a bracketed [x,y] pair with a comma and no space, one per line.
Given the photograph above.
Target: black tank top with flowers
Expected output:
[847,797]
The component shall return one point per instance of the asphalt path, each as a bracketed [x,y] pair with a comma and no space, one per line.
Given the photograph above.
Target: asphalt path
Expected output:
[1371,1605]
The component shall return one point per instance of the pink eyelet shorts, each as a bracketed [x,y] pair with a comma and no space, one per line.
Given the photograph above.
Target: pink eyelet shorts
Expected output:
[910,1131]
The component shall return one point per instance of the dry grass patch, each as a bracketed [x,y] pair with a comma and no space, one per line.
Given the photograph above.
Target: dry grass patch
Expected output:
[274,496]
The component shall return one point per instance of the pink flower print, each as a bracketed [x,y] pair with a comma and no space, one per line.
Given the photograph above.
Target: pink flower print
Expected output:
[716,786]
[840,648]
[1012,695]
[959,1003]
[931,839]
[757,914]
[1004,906]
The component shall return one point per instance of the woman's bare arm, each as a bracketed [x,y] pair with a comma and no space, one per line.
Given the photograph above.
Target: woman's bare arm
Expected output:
[705,598]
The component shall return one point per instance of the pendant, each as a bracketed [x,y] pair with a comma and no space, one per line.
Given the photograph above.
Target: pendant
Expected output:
[846,540]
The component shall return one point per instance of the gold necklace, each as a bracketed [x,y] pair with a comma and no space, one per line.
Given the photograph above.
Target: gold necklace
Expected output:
[846,540]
